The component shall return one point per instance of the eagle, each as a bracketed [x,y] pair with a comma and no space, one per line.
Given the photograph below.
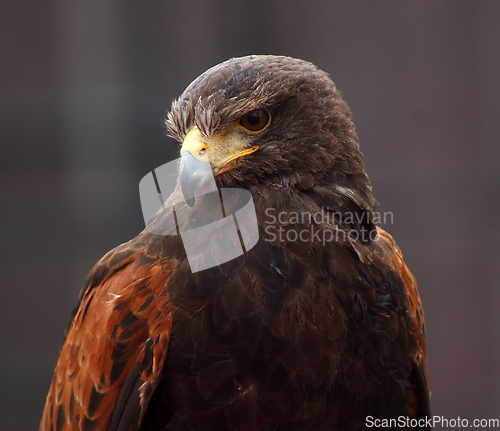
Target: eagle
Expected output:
[317,326]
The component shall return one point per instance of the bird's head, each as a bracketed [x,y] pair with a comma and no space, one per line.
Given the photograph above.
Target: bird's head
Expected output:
[271,120]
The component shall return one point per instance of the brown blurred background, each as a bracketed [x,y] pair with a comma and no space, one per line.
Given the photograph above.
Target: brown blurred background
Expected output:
[84,88]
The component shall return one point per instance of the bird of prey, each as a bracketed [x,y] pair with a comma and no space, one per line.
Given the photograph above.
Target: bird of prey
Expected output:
[298,332]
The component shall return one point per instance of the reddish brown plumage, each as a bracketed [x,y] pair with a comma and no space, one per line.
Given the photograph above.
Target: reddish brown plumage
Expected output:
[292,335]
[121,328]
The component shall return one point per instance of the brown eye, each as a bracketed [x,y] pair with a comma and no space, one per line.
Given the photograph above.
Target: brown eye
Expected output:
[255,121]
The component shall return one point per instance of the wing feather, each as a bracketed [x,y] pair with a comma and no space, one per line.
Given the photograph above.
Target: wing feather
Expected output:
[115,345]
[420,401]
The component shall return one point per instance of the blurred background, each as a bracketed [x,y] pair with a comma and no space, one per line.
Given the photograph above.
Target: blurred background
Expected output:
[84,87]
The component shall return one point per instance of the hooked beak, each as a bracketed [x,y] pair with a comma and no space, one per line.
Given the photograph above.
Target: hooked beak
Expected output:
[196,170]
[195,167]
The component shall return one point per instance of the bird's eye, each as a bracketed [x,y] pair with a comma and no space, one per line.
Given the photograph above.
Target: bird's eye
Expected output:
[255,121]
